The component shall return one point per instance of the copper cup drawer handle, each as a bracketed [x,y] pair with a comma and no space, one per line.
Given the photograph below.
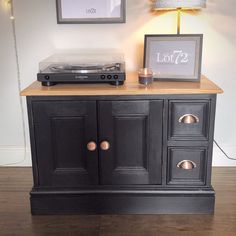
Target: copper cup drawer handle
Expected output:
[91,146]
[186,165]
[105,145]
[188,119]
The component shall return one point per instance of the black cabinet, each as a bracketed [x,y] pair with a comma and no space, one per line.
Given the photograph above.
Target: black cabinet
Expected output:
[122,154]
[130,130]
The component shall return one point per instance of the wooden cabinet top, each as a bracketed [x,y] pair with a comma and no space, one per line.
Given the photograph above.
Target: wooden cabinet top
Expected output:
[131,87]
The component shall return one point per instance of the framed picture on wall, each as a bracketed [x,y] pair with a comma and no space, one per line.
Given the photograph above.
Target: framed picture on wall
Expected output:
[90,11]
[174,57]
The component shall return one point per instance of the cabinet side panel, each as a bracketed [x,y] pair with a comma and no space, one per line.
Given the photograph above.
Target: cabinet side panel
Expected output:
[32,142]
[211,139]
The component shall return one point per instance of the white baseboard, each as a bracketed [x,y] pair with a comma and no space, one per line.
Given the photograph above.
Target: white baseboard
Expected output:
[15,156]
[219,158]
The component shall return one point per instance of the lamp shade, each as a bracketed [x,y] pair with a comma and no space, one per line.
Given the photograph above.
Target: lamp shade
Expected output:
[173,4]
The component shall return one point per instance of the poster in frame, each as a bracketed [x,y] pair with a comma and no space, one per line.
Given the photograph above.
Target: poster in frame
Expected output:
[90,11]
[174,57]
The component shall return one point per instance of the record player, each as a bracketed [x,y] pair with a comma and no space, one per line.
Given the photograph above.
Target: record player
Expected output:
[82,68]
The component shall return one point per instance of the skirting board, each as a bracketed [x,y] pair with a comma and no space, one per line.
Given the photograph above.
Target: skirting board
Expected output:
[219,158]
[15,156]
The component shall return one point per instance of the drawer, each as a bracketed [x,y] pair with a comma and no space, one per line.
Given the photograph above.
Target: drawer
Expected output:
[186,166]
[188,120]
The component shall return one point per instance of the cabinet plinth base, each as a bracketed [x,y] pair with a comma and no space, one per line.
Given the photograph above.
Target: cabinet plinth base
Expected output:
[122,202]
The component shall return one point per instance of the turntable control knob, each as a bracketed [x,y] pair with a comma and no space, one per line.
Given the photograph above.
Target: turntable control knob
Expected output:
[109,76]
[103,76]
[46,77]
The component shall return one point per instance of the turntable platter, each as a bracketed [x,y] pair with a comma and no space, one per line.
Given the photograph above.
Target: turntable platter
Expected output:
[85,68]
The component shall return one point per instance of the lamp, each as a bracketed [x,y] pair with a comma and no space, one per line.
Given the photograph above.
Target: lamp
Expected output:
[179,5]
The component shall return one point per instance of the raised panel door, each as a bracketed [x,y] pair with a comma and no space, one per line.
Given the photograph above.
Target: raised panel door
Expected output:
[133,131]
[62,130]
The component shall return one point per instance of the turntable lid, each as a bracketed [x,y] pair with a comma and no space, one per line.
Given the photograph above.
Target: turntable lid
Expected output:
[95,58]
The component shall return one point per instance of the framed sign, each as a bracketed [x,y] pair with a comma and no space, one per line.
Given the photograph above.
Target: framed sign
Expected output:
[174,57]
[90,11]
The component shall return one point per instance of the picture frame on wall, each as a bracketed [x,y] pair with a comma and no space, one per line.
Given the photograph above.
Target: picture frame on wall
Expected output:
[174,57]
[90,11]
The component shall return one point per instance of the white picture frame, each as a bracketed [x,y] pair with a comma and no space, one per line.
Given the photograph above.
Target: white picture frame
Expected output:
[90,11]
[174,57]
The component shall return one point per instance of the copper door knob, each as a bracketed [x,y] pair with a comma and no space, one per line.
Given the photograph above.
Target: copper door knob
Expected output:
[188,119]
[91,146]
[186,165]
[105,145]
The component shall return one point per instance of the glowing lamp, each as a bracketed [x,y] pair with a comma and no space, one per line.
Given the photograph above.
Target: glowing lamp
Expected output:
[179,5]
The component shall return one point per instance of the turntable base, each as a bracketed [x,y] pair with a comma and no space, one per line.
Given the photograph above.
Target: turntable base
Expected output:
[82,69]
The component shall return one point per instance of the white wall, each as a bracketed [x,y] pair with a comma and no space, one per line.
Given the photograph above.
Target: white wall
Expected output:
[11,135]
[38,36]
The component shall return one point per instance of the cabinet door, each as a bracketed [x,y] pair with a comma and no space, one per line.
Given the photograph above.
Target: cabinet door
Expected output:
[62,130]
[131,131]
